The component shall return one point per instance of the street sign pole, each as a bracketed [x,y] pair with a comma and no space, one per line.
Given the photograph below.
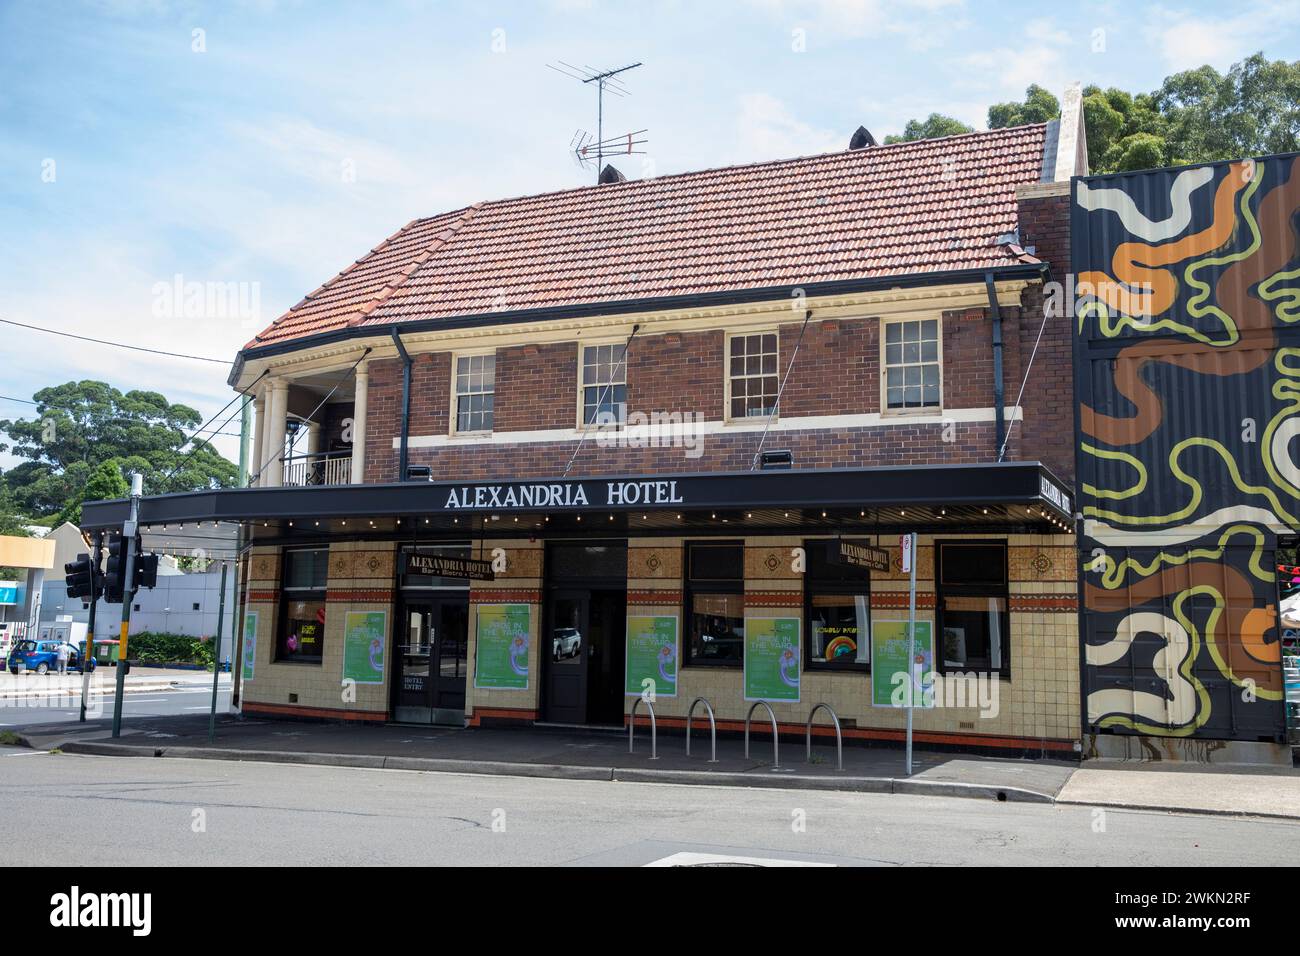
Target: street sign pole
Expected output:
[216,655]
[88,651]
[909,554]
[128,592]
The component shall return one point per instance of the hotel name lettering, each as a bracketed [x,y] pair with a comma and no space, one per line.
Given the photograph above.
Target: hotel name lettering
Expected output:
[563,494]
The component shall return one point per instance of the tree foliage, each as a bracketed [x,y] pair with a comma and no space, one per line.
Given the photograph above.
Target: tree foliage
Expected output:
[1195,116]
[932,127]
[86,432]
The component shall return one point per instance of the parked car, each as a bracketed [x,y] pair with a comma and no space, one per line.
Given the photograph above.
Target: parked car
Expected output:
[43,657]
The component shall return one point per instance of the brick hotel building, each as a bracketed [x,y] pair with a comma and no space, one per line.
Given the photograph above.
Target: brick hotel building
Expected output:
[566,406]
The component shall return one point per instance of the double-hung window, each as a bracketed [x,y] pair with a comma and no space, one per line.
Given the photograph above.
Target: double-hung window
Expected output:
[475,392]
[752,375]
[604,384]
[911,365]
[301,632]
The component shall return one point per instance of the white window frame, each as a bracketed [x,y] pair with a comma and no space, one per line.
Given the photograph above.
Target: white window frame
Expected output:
[454,414]
[885,410]
[726,374]
[581,390]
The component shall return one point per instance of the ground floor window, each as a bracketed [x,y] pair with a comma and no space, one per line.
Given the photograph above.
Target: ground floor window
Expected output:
[837,610]
[971,593]
[715,604]
[300,635]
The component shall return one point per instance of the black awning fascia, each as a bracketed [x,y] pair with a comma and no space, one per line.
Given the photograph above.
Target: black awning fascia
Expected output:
[1020,483]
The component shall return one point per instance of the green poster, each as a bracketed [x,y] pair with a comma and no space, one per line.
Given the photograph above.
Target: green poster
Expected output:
[364,633]
[250,643]
[772,658]
[501,646]
[889,664]
[651,656]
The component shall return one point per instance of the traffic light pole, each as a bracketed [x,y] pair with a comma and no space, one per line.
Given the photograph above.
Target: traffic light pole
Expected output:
[129,530]
[216,654]
[88,651]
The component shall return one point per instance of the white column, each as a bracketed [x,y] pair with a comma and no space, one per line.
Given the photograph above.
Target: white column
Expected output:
[259,439]
[359,425]
[313,438]
[276,423]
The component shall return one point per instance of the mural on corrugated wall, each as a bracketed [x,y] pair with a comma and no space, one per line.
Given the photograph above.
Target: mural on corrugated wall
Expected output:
[1187,376]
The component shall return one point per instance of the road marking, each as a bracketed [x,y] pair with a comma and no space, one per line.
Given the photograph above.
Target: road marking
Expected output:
[727,859]
[27,753]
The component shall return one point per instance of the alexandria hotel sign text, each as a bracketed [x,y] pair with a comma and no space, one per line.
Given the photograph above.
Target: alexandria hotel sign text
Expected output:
[562,494]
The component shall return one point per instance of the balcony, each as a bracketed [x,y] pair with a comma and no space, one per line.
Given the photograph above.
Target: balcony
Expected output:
[322,469]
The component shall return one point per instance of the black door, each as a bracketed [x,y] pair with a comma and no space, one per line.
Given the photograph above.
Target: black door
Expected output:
[431,645]
[583,656]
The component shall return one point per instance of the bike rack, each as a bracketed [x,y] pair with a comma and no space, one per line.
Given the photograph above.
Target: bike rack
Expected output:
[713,728]
[839,737]
[631,727]
[776,744]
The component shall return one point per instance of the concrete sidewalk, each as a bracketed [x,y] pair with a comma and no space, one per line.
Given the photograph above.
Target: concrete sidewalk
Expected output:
[102,679]
[602,755]
[591,755]
[1230,791]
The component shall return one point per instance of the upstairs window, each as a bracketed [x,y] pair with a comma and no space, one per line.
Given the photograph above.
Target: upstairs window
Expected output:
[911,364]
[604,384]
[751,375]
[475,392]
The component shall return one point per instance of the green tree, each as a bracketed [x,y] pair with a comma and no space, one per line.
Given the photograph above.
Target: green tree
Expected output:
[932,127]
[105,482]
[81,425]
[1039,107]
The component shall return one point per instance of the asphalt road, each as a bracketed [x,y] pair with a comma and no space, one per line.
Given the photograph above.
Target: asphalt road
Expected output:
[41,709]
[173,811]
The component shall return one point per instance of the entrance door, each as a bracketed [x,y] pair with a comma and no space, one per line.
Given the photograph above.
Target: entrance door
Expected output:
[583,656]
[431,649]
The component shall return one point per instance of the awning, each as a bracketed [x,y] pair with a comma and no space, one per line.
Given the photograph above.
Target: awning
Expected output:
[1006,495]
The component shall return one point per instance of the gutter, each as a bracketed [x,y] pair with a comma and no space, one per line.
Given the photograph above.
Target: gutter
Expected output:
[406,404]
[999,413]
[1020,270]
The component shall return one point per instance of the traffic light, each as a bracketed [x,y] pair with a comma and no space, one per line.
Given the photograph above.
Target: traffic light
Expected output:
[146,571]
[82,579]
[115,569]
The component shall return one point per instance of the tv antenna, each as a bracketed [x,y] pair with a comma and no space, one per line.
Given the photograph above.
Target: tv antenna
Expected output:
[587,150]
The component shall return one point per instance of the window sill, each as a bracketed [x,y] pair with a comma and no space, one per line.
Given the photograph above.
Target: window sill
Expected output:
[300,662]
[929,410]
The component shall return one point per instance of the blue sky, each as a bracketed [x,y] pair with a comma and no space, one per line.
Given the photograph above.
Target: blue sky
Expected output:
[269,144]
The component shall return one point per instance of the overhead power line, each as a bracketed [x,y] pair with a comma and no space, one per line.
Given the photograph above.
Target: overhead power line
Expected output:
[120,345]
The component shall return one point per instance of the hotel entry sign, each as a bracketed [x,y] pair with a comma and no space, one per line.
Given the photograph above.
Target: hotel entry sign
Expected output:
[772,658]
[650,663]
[501,647]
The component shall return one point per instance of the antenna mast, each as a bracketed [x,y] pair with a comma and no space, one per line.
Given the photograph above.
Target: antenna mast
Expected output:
[604,80]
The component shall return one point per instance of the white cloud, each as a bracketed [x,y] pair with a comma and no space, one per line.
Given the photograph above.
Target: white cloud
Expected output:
[1186,40]
[766,129]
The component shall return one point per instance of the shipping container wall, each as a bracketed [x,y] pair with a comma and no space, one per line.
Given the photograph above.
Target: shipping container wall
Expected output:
[1186,290]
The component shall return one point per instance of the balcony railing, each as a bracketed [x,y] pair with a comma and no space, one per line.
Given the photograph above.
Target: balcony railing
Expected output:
[321,469]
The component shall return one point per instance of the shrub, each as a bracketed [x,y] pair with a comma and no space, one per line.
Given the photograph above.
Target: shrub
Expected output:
[152,648]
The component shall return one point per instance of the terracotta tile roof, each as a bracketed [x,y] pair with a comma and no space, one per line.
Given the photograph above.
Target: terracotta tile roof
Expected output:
[927,206]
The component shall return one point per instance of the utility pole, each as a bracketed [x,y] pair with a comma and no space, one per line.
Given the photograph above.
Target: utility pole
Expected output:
[129,530]
[88,652]
[216,654]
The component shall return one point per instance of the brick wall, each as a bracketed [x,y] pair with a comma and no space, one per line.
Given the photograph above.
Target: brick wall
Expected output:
[1048,429]
[836,372]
